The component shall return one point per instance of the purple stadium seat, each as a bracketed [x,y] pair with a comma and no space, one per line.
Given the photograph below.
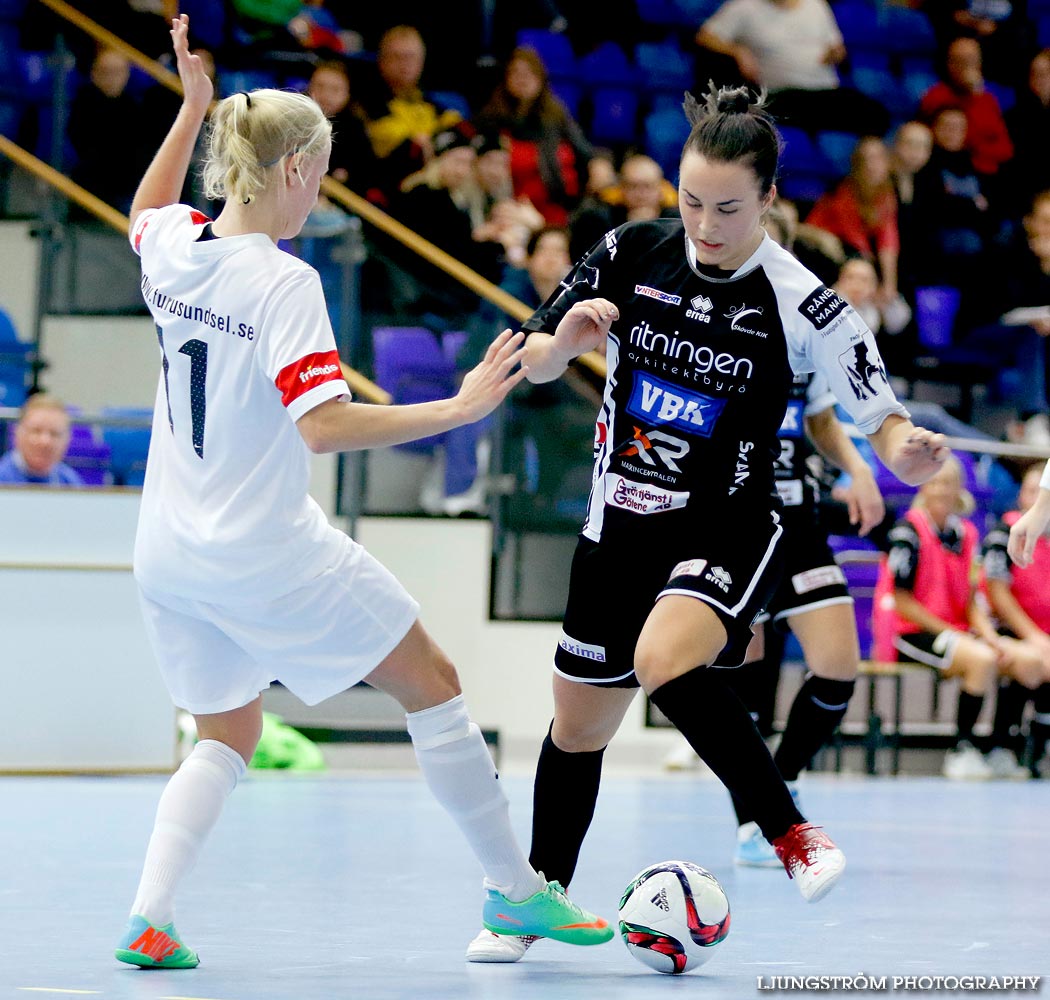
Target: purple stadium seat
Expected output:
[88,456]
[615,115]
[553,48]
[411,366]
[607,66]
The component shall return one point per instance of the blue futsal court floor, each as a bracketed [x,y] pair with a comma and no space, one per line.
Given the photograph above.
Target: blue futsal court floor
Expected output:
[358,886]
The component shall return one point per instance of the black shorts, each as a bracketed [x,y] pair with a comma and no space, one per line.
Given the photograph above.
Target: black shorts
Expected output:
[612,590]
[927,648]
[812,579]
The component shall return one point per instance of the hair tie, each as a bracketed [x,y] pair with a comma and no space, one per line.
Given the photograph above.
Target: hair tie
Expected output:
[247,98]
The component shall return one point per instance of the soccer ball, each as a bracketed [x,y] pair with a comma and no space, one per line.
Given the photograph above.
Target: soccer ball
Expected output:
[672,915]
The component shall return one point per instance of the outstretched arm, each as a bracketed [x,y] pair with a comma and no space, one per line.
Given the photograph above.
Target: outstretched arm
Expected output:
[339,425]
[583,328]
[863,498]
[162,183]
[913,454]
[1029,526]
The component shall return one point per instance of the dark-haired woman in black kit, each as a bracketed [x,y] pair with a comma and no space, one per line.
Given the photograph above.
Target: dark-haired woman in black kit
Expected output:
[706,321]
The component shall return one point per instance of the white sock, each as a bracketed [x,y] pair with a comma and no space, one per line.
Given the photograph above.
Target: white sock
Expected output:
[459,770]
[188,809]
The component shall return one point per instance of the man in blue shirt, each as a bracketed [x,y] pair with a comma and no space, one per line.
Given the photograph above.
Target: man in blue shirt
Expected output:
[41,440]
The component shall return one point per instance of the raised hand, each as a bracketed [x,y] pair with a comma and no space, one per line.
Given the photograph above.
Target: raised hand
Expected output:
[919,456]
[584,327]
[487,385]
[1027,529]
[197,87]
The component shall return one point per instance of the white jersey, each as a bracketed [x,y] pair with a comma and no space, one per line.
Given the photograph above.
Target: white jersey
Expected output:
[246,349]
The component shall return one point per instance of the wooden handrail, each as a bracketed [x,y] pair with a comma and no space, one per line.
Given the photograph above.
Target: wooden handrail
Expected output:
[339,192]
[73,191]
[359,384]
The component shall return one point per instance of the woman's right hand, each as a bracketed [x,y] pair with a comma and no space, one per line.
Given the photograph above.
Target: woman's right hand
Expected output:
[584,327]
[197,89]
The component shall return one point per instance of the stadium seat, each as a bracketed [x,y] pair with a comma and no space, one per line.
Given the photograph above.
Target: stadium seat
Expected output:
[88,456]
[801,155]
[915,83]
[663,67]
[695,12]
[553,48]
[1042,30]
[615,115]
[908,31]
[1004,94]
[663,13]
[569,93]
[861,26]
[208,21]
[451,99]
[837,148]
[410,365]
[128,446]
[665,133]
[607,66]
[936,307]
[16,364]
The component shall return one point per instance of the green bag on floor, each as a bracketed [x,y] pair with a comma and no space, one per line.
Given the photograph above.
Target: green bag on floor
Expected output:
[281,746]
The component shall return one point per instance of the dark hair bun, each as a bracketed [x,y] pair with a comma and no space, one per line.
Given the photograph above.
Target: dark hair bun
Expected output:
[737,101]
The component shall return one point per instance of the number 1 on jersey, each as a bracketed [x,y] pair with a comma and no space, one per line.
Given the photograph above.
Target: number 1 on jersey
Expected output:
[197,352]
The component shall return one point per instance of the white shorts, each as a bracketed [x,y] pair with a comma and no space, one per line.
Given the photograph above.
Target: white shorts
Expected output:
[317,641]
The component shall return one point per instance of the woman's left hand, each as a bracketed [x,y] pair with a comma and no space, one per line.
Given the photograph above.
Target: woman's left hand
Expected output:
[919,456]
[197,89]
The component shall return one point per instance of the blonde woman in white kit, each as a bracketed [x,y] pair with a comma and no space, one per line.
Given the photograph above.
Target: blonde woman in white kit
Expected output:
[242,579]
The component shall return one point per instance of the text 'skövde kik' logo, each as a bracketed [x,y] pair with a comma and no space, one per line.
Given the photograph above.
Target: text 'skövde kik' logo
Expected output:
[659,402]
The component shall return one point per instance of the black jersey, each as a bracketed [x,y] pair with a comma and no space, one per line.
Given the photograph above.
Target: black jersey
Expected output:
[700,370]
[795,482]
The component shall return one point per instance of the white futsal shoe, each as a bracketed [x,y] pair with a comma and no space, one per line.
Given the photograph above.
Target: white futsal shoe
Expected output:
[489,947]
[810,858]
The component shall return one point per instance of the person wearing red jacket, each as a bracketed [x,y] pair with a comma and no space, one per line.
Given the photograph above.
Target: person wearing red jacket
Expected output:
[987,138]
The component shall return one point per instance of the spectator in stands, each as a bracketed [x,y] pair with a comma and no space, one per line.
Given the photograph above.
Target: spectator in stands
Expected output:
[601,171]
[822,252]
[401,120]
[103,117]
[643,193]
[791,48]
[352,162]
[1028,122]
[925,610]
[987,138]
[950,210]
[1020,601]
[497,215]
[1017,329]
[435,202]
[317,30]
[548,150]
[862,212]
[910,152]
[858,284]
[996,24]
[41,441]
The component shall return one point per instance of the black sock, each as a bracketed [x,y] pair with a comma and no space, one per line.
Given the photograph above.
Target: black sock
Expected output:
[718,727]
[1039,729]
[563,799]
[966,717]
[817,710]
[1009,711]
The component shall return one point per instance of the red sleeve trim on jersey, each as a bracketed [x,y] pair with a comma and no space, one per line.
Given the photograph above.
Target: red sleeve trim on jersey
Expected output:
[139,231]
[307,373]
